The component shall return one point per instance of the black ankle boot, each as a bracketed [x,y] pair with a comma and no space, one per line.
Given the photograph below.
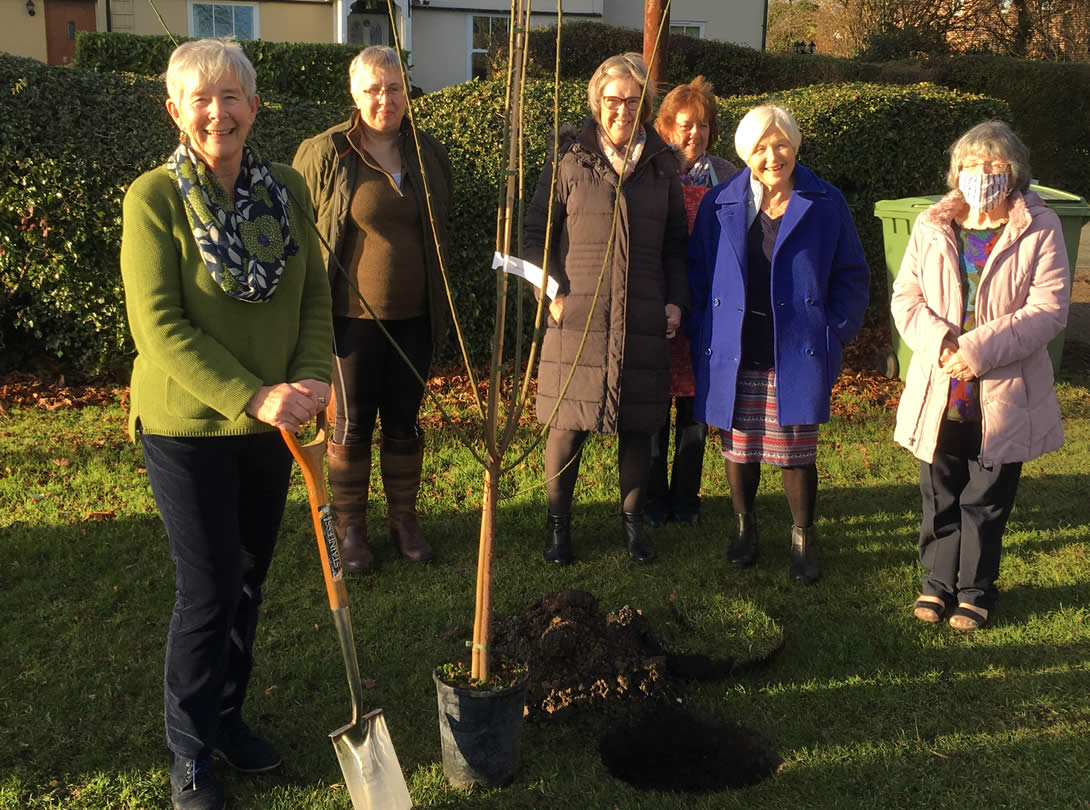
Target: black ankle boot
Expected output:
[639,549]
[558,540]
[804,562]
[743,548]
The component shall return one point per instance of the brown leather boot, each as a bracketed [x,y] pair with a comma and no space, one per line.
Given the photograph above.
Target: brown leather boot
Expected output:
[349,480]
[401,462]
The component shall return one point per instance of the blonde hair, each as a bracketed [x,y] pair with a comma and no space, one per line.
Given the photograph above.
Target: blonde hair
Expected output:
[376,56]
[623,66]
[756,123]
[991,139]
[698,99]
[209,59]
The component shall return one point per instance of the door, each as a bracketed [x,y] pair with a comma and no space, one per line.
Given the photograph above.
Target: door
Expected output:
[63,19]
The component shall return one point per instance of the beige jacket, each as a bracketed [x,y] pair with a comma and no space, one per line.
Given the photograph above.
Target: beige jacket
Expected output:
[1021,304]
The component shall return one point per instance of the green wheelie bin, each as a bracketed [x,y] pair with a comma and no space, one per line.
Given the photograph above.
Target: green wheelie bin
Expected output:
[898,217]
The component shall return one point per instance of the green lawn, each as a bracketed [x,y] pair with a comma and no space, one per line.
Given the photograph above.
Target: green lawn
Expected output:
[868,707]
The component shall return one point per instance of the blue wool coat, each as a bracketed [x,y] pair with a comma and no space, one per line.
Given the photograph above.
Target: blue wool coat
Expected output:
[820,283]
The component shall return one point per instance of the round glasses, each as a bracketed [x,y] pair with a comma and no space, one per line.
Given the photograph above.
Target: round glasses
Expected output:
[616,102]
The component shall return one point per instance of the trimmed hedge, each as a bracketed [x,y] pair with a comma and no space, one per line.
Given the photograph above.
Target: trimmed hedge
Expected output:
[1049,101]
[67,165]
[297,69]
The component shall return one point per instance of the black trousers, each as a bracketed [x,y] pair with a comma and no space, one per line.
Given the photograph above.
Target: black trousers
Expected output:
[563,453]
[965,512]
[680,492]
[221,499]
[372,380]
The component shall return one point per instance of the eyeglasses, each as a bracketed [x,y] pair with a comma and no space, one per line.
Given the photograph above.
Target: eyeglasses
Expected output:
[616,102]
[379,92]
[989,166]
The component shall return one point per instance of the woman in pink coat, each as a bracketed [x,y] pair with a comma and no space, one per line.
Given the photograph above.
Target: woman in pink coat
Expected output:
[984,286]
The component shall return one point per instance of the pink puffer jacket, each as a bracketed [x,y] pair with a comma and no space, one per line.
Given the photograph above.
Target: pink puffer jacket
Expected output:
[1021,304]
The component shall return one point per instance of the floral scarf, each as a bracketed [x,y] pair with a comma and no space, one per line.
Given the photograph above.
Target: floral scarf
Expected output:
[700,173]
[245,242]
[616,157]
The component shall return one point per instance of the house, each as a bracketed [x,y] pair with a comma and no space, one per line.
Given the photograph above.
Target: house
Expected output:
[447,39]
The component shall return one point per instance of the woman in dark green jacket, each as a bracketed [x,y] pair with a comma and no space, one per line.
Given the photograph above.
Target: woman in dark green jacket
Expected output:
[229,310]
[367,180]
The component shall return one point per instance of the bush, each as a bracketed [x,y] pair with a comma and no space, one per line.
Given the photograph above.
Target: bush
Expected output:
[1049,101]
[74,140]
[298,69]
[67,166]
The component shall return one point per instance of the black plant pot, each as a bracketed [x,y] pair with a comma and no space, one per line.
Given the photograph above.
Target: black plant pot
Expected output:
[480,732]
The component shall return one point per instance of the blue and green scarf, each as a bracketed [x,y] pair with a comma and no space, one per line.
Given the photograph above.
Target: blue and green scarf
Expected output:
[245,243]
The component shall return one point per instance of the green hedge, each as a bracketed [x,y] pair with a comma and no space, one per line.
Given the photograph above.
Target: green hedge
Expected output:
[66,166]
[298,69]
[1049,101]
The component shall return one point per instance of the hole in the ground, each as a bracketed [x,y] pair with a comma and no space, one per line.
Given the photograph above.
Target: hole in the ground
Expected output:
[672,749]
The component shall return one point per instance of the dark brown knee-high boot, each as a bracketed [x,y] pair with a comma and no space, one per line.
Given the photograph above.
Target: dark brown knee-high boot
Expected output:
[349,481]
[401,461]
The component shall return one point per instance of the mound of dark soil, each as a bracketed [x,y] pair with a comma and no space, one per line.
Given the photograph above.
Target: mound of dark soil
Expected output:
[579,658]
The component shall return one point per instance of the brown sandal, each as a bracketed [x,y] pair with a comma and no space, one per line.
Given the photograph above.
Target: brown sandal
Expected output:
[968,617]
[929,609]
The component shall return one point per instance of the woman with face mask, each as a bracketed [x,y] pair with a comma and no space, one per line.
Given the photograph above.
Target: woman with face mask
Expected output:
[984,286]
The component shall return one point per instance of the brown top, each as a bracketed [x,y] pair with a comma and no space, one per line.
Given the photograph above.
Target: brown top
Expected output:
[383,248]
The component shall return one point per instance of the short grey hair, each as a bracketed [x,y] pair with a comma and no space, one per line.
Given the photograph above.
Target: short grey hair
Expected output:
[991,139]
[210,60]
[756,123]
[622,66]
[377,56]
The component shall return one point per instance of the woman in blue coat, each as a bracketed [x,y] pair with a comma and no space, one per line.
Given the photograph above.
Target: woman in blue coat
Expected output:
[779,285]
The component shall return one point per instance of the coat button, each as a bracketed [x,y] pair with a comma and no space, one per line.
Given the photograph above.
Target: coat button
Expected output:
[708,351]
[810,301]
[715,302]
[810,352]
[779,303]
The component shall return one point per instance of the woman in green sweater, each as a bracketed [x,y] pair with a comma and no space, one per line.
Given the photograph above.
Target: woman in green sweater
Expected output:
[229,309]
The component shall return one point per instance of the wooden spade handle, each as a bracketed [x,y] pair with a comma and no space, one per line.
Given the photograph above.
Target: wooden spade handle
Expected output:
[310,457]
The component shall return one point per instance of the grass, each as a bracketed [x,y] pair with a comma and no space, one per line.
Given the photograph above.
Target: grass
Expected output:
[868,707]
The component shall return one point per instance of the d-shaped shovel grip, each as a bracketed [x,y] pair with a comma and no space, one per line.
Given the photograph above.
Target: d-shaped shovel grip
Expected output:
[310,457]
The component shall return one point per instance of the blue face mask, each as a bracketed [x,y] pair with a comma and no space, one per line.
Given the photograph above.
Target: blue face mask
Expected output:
[984,191]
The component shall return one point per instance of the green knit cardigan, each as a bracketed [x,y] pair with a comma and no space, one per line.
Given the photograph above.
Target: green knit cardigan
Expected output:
[201,354]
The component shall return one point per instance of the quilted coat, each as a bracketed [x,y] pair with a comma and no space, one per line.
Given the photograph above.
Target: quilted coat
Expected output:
[1022,300]
[622,377]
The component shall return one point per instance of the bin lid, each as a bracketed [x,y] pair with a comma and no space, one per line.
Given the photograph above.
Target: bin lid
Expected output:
[1063,203]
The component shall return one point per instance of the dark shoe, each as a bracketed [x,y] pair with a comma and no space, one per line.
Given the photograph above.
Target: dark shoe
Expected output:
[401,462]
[558,540]
[804,562]
[243,750]
[743,549]
[193,784]
[656,514]
[356,554]
[686,518]
[349,482]
[638,548]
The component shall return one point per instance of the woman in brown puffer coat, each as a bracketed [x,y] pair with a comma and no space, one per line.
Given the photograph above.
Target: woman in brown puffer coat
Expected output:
[621,379]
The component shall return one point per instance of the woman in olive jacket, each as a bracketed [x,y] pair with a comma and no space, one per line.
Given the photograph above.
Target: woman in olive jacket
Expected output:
[621,379]
[367,179]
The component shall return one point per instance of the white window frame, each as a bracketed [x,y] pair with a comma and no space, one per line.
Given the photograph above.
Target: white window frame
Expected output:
[699,26]
[192,13]
[470,50]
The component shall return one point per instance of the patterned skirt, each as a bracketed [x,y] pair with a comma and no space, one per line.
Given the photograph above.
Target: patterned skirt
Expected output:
[755,436]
